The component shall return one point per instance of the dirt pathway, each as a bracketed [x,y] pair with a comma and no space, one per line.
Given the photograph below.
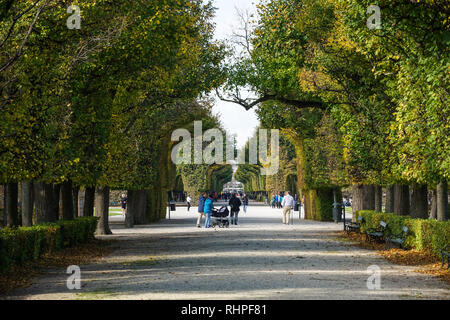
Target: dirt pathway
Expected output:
[259,259]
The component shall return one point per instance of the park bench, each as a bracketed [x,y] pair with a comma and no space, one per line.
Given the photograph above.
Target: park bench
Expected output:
[445,253]
[354,226]
[398,239]
[377,233]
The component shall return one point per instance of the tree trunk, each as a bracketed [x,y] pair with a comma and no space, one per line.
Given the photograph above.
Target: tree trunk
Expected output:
[4,205]
[43,197]
[378,198]
[131,204]
[136,208]
[12,212]
[102,210]
[433,213]
[27,201]
[75,191]
[442,201]
[56,197]
[401,200]
[140,207]
[89,197]
[67,200]
[419,201]
[363,198]
[389,205]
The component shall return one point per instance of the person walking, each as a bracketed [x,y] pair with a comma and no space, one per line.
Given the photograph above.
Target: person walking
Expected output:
[244,203]
[188,200]
[235,204]
[209,205]
[123,204]
[201,207]
[273,202]
[287,204]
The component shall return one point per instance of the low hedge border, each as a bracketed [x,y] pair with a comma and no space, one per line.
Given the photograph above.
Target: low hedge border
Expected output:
[18,245]
[424,235]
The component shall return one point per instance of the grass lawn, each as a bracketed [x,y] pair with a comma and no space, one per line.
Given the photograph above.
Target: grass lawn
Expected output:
[115,211]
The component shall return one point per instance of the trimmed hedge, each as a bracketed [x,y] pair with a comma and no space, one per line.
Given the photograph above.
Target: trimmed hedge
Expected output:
[425,235]
[319,204]
[18,245]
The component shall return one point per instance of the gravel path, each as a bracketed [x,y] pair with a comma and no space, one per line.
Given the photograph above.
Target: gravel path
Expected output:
[258,259]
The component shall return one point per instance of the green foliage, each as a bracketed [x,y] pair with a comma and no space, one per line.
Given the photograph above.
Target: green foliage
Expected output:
[319,204]
[19,245]
[411,57]
[427,235]
[94,105]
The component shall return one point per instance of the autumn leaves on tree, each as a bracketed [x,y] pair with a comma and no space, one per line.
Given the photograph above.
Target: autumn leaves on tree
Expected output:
[93,108]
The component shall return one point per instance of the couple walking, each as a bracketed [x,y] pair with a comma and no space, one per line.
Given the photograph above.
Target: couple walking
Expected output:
[205,206]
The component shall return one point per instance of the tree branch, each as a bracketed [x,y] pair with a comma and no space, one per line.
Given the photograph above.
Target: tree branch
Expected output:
[269,97]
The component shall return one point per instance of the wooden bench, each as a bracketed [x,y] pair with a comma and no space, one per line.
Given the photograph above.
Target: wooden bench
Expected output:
[398,239]
[377,233]
[354,226]
[445,253]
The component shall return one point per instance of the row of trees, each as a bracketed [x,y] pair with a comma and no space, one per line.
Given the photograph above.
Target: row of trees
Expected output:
[94,108]
[364,107]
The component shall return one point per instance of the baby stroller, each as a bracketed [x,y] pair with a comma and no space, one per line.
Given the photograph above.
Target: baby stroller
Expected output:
[219,217]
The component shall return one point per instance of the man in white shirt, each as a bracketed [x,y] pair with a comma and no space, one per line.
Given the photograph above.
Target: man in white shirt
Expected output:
[188,200]
[288,205]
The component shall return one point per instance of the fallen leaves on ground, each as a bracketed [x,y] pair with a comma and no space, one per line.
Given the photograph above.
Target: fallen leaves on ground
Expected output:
[425,261]
[21,276]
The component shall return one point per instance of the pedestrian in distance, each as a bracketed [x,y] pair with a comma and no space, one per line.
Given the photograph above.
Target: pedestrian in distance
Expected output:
[209,205]
[245,203]
[201,207]
[188,200]
[123,204]
[272,202]
[235,204]
[287,204]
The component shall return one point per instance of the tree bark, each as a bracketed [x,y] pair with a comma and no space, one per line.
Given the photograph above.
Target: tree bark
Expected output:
[56,197]
[27,201]
[378,198]
[75,191]
[419,201]
[442,201]
[89,197]
[131,204]
[433,213]
[102,210]
[12,211]
[389,205]
[67,200]
[140,207]
[43,197]
[363,198]
[4,206]
[401,200]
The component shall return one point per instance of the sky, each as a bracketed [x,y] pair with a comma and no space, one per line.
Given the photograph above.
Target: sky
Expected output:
[235,118]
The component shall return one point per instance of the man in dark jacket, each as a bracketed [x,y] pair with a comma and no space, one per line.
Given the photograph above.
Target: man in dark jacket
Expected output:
[235,205]
[201,205]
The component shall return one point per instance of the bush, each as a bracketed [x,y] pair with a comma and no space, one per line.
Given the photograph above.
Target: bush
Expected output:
[18,245]
[319,204]
[425,235]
